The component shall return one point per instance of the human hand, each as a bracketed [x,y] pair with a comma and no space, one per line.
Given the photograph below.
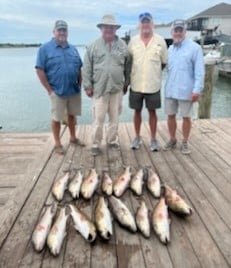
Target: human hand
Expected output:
[89,91]
[195,97]
[50,91]
[125,89]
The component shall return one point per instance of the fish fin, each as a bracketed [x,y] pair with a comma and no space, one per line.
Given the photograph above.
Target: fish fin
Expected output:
[162,189]
[54,207]
[146,173]
[105,170]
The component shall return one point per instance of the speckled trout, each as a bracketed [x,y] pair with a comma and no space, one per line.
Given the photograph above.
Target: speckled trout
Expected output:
[107,184]
[161,222]
[176,203]
[58,232]
[122,213]
[43,226]
[137,182]
[142,219]
[153,183]
[60,185]
[83,224]
[75,185]
[90,184]
[103,219]
[122,183]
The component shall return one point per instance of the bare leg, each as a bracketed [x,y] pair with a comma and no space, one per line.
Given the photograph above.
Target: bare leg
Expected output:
[55,125]
[137,122]
[71,125]
[172,125]
[186,127]
[152,123]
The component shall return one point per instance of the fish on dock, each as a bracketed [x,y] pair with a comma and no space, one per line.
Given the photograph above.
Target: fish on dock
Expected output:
[161,221]
[58,231]
[122,182]
[122,214]
[153,183]
[176,203]
[142,219]
[137,182]
[43,226]
[107,184]
[103,219]
[60,185]
[75,185]
[83,224]
[89,184]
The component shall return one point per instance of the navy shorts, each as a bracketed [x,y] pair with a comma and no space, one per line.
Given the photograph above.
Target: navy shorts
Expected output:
[152,101]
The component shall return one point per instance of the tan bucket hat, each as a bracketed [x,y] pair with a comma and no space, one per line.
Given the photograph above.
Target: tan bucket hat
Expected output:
[108,20]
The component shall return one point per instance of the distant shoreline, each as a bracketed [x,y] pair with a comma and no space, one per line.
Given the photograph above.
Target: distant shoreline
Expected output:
[12,45]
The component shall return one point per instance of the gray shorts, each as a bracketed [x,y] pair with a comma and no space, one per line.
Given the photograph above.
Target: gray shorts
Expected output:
[63,106]
[172,105]
[152,101]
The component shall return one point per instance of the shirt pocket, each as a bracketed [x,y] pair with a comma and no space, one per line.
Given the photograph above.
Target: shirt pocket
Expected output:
[118,57]
[99,57]
[54,63]
[155,53]
[73,59]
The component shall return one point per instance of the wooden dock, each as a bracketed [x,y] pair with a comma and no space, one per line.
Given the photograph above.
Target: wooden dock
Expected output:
[203,179]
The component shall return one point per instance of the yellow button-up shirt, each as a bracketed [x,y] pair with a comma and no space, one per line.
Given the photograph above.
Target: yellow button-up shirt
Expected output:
[147,63]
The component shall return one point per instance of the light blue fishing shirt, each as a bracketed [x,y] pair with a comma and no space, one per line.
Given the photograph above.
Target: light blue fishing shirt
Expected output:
[185,70]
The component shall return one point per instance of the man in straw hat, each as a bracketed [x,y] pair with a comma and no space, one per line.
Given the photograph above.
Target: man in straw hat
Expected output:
[105,78]
[62,81]
[149,56]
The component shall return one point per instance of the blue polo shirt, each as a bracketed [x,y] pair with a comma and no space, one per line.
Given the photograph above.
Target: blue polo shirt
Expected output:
[185,70]
[62,66]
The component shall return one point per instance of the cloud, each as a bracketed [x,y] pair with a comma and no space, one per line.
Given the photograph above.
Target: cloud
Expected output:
[33,21]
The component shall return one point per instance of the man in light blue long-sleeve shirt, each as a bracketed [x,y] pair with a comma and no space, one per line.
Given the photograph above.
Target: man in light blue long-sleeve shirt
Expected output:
[184,84]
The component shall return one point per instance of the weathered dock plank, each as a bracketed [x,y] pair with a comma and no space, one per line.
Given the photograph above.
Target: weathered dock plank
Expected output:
[203,179]
[155,254]
[21,213]
[78,251]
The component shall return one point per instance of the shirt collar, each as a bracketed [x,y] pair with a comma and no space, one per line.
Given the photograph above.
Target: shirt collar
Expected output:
[56,44]
[113,41]
[180,44]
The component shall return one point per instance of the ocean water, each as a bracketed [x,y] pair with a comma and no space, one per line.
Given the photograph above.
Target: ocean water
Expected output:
[25,106]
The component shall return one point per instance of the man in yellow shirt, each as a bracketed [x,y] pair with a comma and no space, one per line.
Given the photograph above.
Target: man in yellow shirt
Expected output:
[149,56]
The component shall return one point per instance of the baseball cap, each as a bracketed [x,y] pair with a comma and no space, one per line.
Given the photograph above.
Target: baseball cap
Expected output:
[60,24]
[179,24]
[145,15]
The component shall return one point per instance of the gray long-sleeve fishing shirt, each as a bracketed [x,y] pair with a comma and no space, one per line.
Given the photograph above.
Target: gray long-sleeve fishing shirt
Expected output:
[106,68]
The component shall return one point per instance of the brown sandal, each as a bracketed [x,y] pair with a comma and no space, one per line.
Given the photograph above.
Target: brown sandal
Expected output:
[77,142]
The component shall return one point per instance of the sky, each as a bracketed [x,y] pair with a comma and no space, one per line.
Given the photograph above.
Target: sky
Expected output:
[31,21]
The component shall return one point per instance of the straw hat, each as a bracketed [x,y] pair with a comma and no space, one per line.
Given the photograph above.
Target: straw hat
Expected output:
[108,20]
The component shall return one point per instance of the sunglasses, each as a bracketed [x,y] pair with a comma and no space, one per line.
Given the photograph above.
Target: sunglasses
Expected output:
[145,15]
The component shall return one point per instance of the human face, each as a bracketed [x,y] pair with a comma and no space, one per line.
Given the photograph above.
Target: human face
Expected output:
[60,35]
[178,35]
[146,27]
[108,32]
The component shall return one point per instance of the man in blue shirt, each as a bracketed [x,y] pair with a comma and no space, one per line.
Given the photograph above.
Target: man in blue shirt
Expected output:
[184,84]
[58,67]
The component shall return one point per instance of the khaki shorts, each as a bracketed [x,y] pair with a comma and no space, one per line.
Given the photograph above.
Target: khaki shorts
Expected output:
[172,105]
[63,106]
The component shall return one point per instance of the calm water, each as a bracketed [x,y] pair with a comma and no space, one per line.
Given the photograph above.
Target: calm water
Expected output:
[24,103]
